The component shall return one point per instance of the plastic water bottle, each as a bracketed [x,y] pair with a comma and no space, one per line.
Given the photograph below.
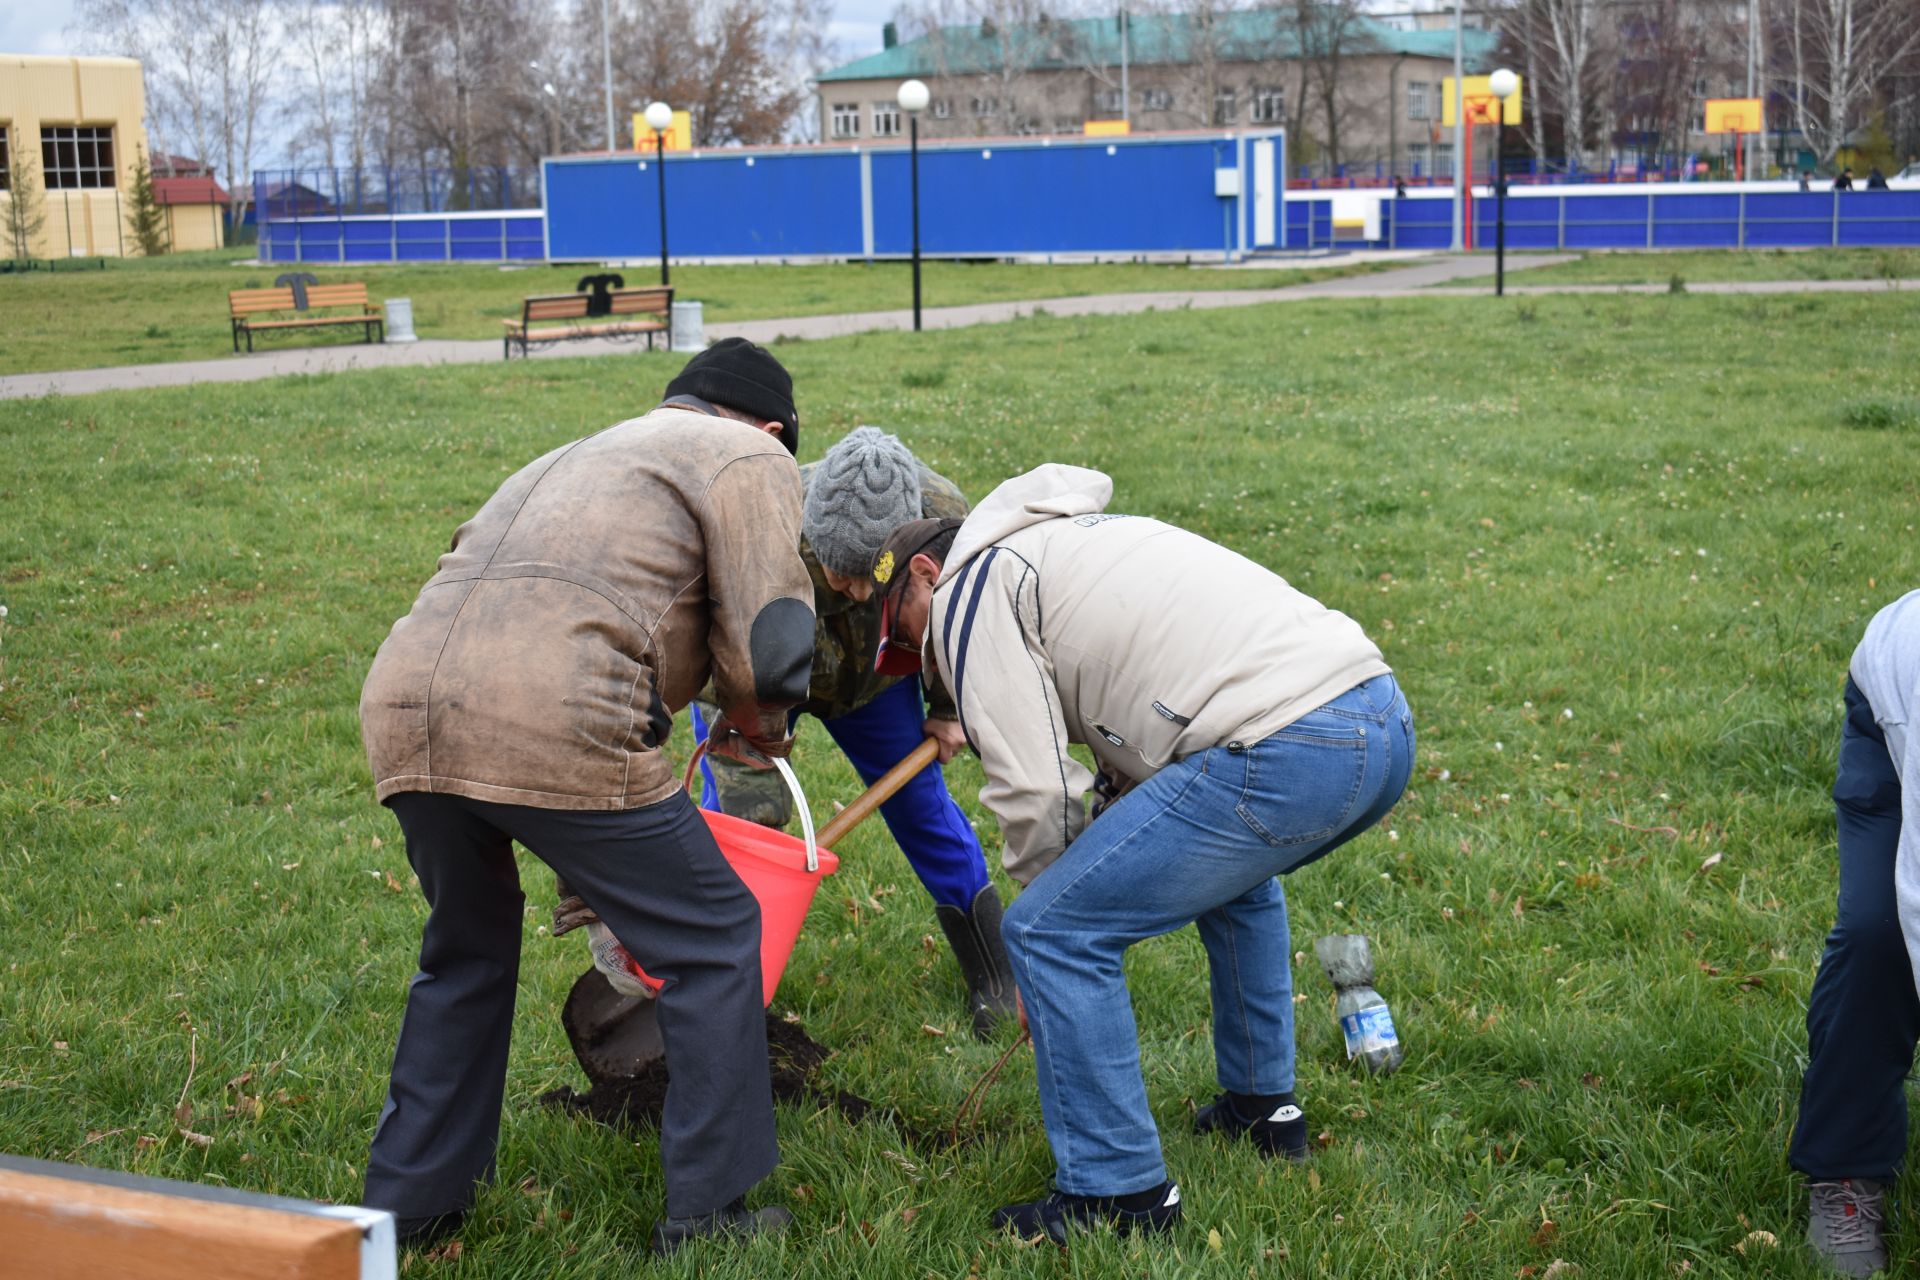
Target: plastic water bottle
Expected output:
[1363,1013]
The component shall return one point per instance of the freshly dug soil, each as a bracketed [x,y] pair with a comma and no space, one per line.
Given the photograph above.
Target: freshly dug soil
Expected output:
[793,1056]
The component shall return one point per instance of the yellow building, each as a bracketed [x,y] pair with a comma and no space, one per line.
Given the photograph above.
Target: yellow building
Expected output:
[78,125]
[195,209]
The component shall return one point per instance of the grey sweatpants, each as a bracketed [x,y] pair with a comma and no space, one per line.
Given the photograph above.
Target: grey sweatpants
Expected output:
[658,880]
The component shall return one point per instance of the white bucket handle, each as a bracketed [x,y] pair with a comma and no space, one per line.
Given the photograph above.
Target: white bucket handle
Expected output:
[793,785]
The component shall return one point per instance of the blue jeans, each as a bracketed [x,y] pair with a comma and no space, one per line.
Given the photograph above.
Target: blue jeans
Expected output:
[1863,1016]
[929,827]
[1200,841]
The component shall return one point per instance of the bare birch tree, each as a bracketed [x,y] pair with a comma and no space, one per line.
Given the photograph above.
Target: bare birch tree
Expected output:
[210,73]
[1839,54]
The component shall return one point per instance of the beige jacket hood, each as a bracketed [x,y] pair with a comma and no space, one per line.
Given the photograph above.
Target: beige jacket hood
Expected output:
[1055,621]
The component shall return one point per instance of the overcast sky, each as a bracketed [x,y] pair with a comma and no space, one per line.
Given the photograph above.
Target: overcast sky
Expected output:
[39,26]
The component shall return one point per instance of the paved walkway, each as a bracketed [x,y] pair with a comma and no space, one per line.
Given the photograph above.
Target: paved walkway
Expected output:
[1428,278]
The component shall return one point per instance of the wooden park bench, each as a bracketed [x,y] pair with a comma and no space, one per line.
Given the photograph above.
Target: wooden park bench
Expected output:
[255,309]
[606,312]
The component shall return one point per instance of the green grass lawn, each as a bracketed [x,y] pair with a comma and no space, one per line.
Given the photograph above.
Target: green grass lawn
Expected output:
[1707,265]
[1618,550]
[140,311]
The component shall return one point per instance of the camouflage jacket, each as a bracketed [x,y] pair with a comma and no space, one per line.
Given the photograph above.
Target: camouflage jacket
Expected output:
[847,633]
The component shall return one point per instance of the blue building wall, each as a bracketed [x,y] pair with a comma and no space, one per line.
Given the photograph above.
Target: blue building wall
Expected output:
[1120,195]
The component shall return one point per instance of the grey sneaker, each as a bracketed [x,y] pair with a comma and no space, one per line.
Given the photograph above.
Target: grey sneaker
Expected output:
[1847,1224]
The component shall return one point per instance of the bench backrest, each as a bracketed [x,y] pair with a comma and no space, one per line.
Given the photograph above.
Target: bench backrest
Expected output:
[247,302]
[652,300]
[556,306]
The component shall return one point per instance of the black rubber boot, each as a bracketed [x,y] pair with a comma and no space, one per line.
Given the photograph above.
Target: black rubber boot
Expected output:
[975,938]
[734,1221]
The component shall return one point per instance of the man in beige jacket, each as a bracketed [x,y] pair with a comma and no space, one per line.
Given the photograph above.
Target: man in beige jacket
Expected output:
[526,697]
[1242,730]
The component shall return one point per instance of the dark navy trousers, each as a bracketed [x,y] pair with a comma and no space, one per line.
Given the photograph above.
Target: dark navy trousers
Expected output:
[658,880]
[1863,1017]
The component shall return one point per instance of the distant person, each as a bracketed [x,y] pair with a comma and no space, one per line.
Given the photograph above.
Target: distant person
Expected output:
[1399,187]
[1806,181]
[1876,180]
[1845,181]
[1863,1015]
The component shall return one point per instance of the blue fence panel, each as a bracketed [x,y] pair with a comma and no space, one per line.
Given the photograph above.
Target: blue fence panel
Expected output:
[1606,222]
[526,239]
[420,240]
[1533,222]
[370,241]
[1789,219]
[1709,220]
[1879,217]
[1423,224]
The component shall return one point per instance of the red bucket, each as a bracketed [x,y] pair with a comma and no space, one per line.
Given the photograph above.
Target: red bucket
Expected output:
[780,871]
[774,866]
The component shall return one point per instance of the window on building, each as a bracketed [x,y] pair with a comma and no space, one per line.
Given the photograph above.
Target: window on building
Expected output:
[6,162]
[1419,104]
[1226,110]
[984,107]
[886,119]
[1443,160]
[846,119]
[1156,99]
[1420,160]
[75,156]
[1269,106]
[1109,102]
[942,108]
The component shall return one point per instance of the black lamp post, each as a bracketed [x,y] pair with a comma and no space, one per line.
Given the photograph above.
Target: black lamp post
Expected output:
[913,99]
[660,119]
[1504,84]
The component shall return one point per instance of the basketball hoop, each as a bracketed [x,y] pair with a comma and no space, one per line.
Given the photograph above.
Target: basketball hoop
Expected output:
[1739,117]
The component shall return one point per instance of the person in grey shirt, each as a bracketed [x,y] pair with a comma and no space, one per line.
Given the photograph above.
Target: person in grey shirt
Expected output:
[1863,1016]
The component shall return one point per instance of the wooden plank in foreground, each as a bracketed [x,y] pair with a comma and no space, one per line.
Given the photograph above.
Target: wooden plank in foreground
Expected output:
[68,1220]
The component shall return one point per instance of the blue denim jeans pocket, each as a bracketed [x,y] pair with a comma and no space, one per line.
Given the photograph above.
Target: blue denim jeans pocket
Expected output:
[1329,775]
[1301,784]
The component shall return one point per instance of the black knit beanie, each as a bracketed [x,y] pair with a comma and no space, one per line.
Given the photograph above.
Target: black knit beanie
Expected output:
[740,375]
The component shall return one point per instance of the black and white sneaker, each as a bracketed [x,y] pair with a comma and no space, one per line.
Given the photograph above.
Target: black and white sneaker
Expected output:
[1281,1132]
[1148,1211]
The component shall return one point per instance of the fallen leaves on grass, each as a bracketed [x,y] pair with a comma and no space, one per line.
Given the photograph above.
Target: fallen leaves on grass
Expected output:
[1757,1240]
[1713,860]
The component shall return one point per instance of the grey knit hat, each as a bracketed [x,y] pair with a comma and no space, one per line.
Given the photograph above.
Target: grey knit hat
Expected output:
[866,486]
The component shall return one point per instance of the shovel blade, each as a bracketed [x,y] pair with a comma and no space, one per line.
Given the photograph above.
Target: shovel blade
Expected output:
[614,1037]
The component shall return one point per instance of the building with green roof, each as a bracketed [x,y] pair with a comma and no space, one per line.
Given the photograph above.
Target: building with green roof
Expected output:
[1349,88]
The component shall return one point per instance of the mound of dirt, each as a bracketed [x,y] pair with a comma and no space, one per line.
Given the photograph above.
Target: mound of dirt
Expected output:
[793,1056]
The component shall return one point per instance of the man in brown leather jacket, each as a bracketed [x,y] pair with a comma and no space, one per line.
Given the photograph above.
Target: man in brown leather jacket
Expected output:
[526,697]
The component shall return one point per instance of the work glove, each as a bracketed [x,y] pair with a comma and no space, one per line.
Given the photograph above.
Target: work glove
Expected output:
[572,910]
[616,964]
[725,738]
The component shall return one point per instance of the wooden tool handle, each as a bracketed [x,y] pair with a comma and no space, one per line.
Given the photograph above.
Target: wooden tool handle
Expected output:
[877,794]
